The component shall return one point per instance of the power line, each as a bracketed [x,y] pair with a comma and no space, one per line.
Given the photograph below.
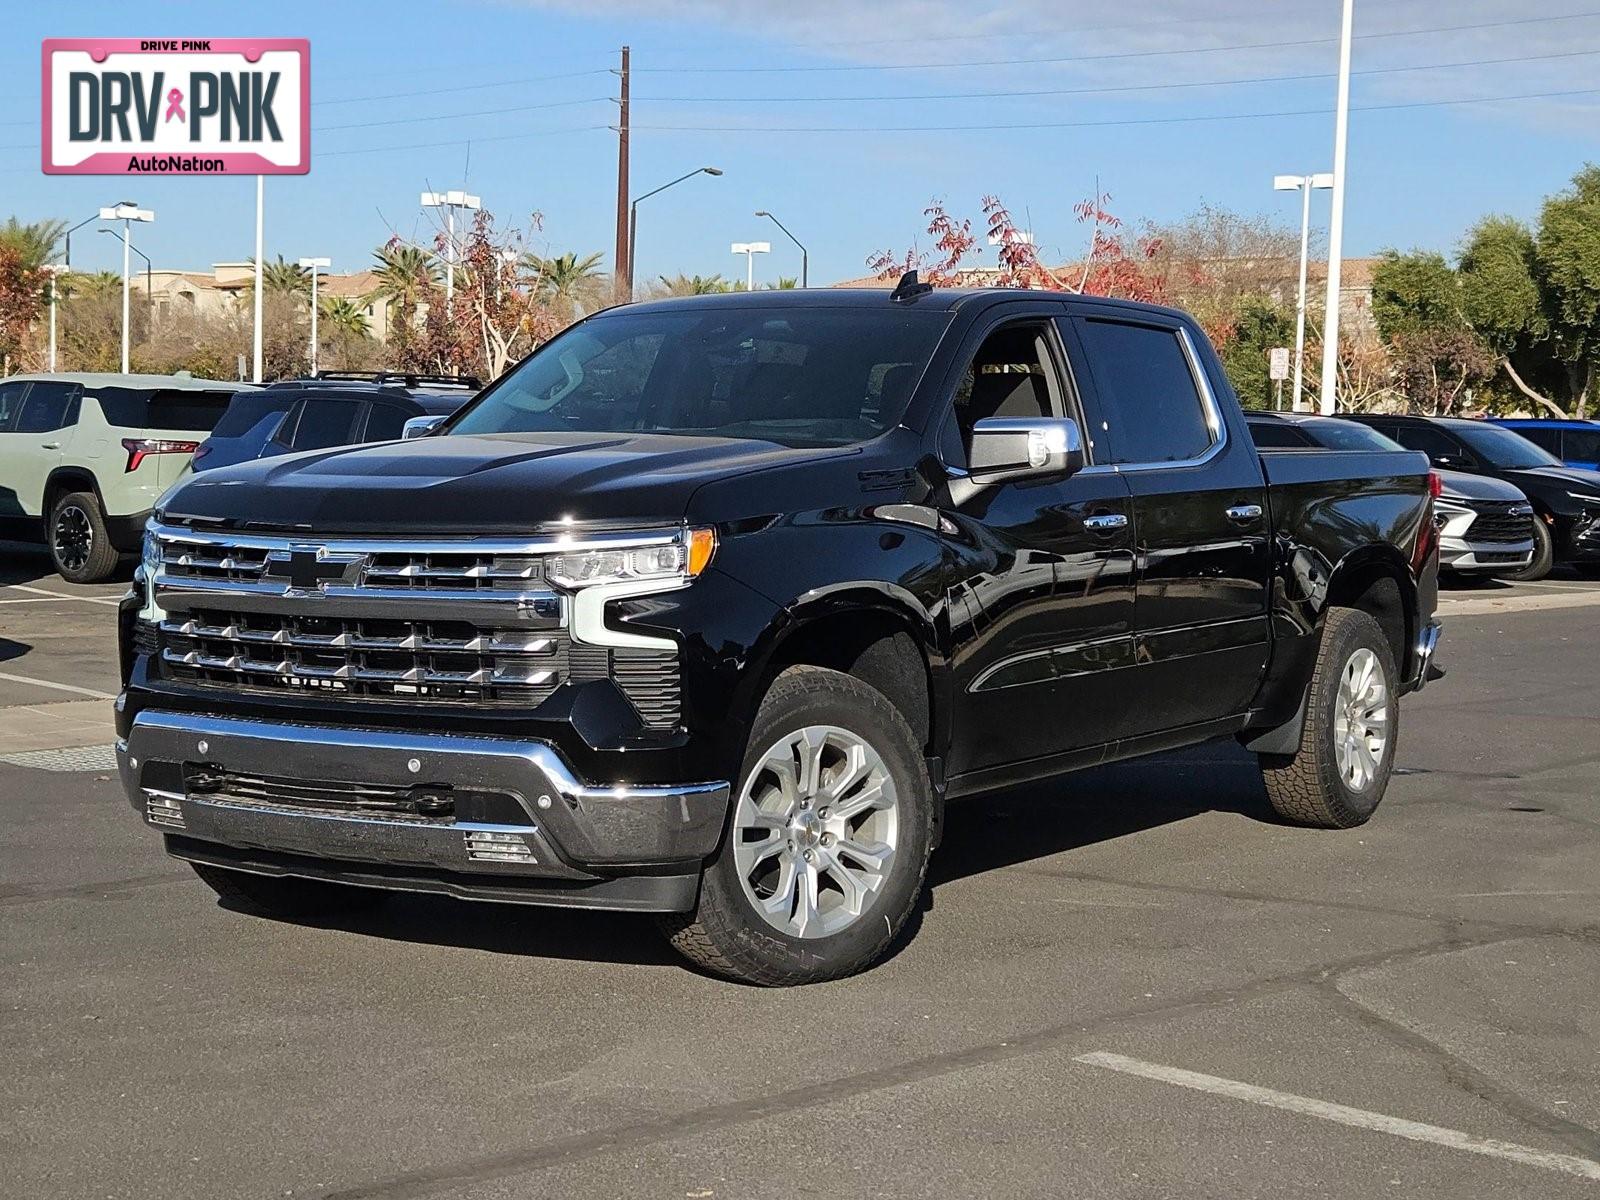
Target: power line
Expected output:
[1087,91]
[483,112]
[1128,54]
[1249,116]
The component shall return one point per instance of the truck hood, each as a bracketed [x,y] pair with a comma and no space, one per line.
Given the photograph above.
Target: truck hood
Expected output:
[461,485]
[1574,479]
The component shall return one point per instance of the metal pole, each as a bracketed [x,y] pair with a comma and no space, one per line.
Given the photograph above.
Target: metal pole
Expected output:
[313,320]
[1341,129]
[450,255]
[260,196]
[53,277]
[750,271]
[127,236]
[622,264]
[1300,304]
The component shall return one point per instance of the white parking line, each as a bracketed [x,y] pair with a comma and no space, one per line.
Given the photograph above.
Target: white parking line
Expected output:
[60,687]
[22,587]
[1358,1118]
[1484,605]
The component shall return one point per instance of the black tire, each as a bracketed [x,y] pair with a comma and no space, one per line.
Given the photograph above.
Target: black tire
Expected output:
[1544,554]
[286,895]
[725,935]
[1308,787]
[80,545]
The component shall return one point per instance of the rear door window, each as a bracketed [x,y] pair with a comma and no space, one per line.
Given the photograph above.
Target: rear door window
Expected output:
[385,423]
[325,423]
[248,410]
[1435,443]
[1277,437]
[1581,446]
[11,395]
[1148,396]
[50,406]
[1540,435]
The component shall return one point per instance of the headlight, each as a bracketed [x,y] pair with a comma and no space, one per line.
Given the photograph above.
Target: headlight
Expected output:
[150,551]
[677,561]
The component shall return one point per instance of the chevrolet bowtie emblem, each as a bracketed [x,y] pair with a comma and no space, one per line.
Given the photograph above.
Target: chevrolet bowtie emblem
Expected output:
[310,568]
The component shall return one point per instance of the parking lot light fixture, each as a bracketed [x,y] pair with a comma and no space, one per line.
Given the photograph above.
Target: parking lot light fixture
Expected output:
[750,250]
[127,212]
[805,258]
[1305,184]
[314,265]
[450,202]
[633,219]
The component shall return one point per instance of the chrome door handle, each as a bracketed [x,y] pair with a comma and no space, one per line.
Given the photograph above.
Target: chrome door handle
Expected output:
[50,446]
[1244,513]
[1106,522]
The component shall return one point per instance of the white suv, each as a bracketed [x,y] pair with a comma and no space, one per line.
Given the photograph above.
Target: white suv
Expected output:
[83,458]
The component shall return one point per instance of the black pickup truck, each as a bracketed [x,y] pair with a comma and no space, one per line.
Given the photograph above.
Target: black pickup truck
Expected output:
[710,606]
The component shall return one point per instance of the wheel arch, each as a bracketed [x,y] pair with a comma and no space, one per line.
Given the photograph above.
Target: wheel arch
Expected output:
[1378,580]
[64,480]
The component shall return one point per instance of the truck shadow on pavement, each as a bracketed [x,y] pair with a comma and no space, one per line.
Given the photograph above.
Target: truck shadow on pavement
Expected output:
[990,833]
[10,650]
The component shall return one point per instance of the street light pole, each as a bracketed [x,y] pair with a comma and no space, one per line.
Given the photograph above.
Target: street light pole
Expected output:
[750,250]
[1341,131]
[633,217]
[127,212]
[315,264]
[450,201]
[805,258]
[260,269]
[56,271]
[1305,184]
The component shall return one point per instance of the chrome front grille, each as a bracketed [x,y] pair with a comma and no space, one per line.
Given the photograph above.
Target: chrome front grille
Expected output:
[1501,522]
[375,658]
[470,622]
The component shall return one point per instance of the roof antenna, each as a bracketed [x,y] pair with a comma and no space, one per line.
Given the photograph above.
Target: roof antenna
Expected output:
[910,287]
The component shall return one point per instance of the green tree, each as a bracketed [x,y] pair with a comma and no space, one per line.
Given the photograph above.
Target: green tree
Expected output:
[1568,256]
[1419,303]
[567,284]
[280,277]
[340,315]
[34,243]
[1503,301]
[1257,325]
[692,285]
[1416,292]
[406,274]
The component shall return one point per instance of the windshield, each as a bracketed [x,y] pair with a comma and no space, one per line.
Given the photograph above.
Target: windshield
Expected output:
[1348,435]
[795,376]
[1503,449]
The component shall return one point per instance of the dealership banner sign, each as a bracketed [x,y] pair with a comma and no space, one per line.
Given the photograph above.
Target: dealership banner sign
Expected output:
[147,106]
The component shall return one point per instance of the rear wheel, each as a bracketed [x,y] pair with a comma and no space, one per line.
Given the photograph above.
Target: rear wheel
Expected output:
[80,546]
[827,841]
[1544,554]
[286,895]
[1347,743]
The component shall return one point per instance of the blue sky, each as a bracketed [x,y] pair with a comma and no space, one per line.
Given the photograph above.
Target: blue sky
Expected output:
[390,82]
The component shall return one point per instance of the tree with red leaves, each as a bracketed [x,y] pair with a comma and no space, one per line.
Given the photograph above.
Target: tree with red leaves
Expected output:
[22,289]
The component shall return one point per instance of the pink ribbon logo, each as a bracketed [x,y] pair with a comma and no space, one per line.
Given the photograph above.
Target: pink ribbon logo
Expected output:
[175,105]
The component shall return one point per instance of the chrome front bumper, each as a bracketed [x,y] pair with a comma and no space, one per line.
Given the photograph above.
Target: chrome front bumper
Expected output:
[1423,671]
[185,773]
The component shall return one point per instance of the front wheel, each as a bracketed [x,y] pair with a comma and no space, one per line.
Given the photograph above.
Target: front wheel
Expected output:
[1347,743]
[80,546]
[827,842]
[1544,554]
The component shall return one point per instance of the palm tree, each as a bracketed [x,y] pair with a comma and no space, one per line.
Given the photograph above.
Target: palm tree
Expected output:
[101,283]
[284,278]
[567,284]
[693,285]
[785,282]
[34,243]
[342,316]
[405,274]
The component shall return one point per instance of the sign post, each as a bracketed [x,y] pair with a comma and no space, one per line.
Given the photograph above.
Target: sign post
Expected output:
[1278,371]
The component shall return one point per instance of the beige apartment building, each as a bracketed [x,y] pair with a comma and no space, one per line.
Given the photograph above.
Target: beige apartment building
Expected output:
[218,293]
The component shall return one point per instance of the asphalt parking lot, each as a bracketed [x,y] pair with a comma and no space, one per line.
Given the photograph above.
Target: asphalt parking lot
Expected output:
[1134,983]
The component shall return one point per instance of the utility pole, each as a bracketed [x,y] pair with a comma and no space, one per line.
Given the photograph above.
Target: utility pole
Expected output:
[1341,130]
[622,260]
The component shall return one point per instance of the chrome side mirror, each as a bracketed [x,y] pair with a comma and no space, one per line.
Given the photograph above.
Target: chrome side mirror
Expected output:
[1007,448]
[416,427]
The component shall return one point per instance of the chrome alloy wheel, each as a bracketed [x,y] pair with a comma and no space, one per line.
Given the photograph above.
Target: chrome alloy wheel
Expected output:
[1361,720]
[73,537]
[815,831]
